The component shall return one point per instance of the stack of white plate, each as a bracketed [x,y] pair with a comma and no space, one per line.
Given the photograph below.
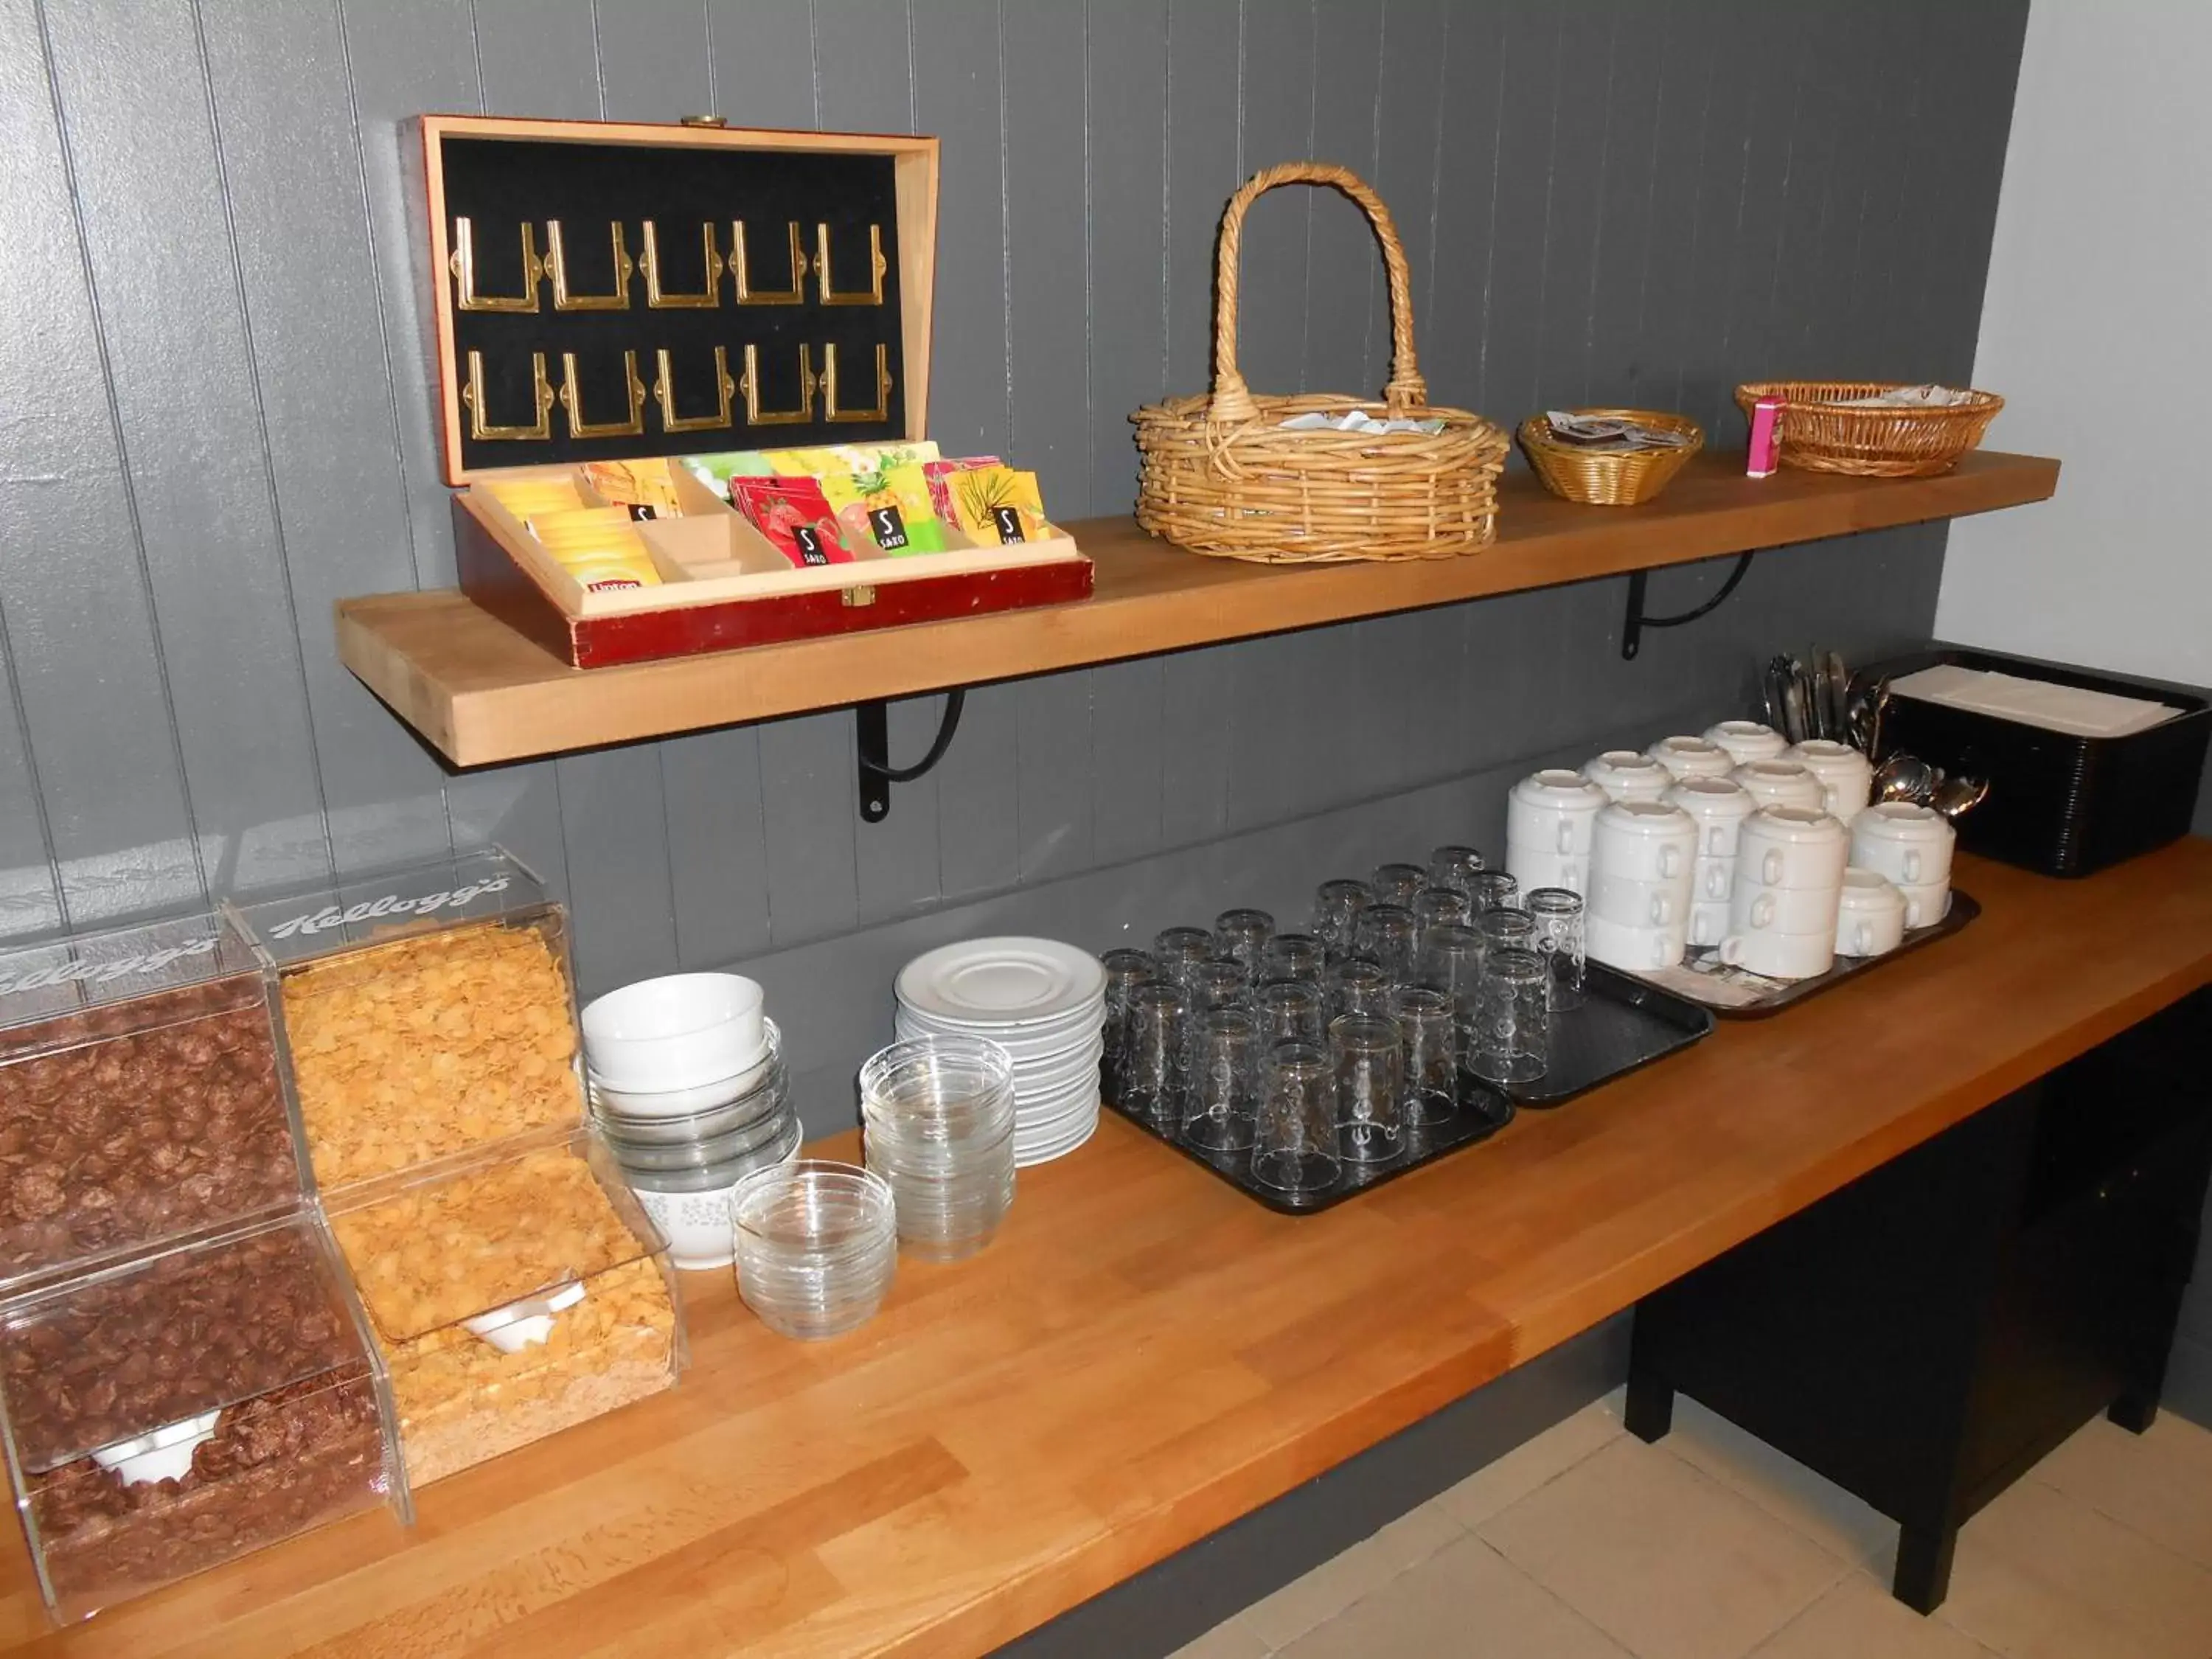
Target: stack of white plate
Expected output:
[1042,1001]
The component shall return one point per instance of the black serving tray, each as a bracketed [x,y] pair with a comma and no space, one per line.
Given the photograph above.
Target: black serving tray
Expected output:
[1623,1024]
[1737,993]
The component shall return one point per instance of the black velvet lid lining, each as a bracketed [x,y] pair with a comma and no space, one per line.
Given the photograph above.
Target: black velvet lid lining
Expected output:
[501,184]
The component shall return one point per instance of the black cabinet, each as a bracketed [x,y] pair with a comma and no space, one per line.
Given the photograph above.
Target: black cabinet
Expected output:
[1924,1335]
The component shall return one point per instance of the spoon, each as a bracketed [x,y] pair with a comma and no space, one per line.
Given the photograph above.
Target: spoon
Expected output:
[1901,777]
[1956,797]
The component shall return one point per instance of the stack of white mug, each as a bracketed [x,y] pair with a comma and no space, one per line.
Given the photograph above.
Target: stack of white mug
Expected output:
[1733,842]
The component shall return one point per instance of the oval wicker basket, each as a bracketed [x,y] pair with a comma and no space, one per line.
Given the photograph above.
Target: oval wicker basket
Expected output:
[1221,476]
[1597,478]
[1820,434]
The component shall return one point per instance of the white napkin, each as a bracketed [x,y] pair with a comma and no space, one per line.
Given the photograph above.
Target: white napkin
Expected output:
[1909,397]
[1356,420]
[2033,703]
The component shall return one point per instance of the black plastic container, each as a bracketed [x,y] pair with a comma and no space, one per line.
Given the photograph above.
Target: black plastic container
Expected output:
[2058,804]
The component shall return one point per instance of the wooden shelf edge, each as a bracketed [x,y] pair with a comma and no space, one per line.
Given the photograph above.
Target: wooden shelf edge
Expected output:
[482,694]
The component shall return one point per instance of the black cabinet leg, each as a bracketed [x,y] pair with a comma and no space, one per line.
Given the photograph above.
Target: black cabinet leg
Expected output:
[2133,1412]
[1924,1566]
[1649,1410]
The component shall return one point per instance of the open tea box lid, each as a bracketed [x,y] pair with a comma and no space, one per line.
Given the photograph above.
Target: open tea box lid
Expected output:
[609,293]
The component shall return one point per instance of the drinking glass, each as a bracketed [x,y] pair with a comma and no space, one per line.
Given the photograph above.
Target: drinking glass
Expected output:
[1358,985]
[1396,883]
[1289,1010]
[1221,1111]
[1492,890]
[1294,1148]
[1294,956]
[1507,930]
[1179,949]
[1456,867]
[1217,982]
[1512,1036]
[1370,1087]
[1242,936]
[1152,1062]
[1389,936]
[1430,1036]
[1125,969]
[1435,905]
[1336,908]
[1451,961]
[1557,915]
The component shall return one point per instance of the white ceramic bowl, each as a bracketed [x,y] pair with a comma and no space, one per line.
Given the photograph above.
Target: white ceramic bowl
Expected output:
[678,1032]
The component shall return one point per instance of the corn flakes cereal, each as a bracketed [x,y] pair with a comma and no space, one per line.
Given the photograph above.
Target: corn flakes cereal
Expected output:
[425,1046]
[436,1254]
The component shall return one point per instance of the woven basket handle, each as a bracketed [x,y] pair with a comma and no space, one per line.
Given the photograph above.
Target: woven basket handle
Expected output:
[1232,398]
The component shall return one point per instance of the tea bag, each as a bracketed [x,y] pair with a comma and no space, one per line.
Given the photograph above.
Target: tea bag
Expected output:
[997,505]
[890,508]
[795,517]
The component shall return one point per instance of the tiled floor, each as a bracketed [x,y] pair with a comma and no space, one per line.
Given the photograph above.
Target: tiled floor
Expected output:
[1588,1544]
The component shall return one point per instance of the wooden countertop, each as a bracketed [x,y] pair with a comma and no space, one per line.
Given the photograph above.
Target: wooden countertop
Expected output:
[481,693]
[1144,1354]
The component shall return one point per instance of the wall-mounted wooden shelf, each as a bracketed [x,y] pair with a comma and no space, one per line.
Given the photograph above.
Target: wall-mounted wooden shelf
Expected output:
[481,694]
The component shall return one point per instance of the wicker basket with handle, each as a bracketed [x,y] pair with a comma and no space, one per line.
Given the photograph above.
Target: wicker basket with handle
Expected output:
[1822,432]
[1220,475]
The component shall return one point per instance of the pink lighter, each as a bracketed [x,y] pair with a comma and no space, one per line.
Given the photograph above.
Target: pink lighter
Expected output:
[1765,438]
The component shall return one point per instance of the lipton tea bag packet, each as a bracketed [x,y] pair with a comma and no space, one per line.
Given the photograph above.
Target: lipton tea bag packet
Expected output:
[832,458]
[795,517]
[606,573]
[646,489]
[890,508]
[997,504]
[528,497]
[580,526]
[940,473]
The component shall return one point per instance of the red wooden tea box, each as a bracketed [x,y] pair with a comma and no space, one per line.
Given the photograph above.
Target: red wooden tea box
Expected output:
[611,291]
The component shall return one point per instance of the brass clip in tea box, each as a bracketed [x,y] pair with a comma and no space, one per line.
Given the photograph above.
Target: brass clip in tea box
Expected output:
[572,399]
[462,262]
[557,265]
[473,395]
[871,296]
[830,411]
[664,388]
[741,268]
[659,297]
[755,415]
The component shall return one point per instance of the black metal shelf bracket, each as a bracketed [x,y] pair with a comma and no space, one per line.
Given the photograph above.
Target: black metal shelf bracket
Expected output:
[872,724]
[1632,629]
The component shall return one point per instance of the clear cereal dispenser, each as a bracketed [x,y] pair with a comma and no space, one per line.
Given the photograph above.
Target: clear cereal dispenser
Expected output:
[168,1414]
[512,1295]
[429,1013]
[141,1095]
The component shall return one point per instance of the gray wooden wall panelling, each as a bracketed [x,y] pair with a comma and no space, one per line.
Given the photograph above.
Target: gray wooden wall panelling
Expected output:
[228,403]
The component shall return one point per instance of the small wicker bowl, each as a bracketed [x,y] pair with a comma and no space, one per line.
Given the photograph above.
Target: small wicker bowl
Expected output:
[1820,434]
[1598,479]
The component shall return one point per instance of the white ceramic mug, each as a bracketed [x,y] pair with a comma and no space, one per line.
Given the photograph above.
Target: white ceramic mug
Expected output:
[1791,846]
[1635,949]
[1692,757]
[1624,774]
[1747,740]
[1712,880]
[1630,903]
[1719,806]
[1553,810]
[1846,776]
[1784,909]
[1535,866]
[1781,783]
[1708,923]
[1781,956]
[1871,915]
[1909,843]
[1926,903]
[1645,840]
